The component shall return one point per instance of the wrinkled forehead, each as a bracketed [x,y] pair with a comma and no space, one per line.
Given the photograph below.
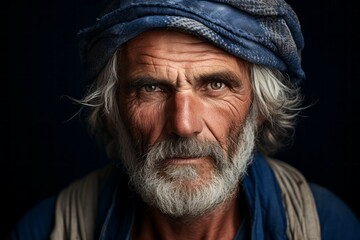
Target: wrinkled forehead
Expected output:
[262,32]
[167,51]
[176,46]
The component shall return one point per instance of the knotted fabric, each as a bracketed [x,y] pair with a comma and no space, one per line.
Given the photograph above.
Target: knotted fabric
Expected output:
[264,32]
[301,213]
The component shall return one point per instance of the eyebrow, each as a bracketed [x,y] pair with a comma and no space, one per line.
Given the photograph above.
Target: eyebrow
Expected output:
[134,83]
[228,78]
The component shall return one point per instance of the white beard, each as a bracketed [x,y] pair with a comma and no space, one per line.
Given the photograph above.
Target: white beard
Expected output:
[169,187]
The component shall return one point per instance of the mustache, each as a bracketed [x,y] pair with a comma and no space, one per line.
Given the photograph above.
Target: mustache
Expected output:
[184,148]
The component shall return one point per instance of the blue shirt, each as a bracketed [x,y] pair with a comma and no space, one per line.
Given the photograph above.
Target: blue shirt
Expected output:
[265,220]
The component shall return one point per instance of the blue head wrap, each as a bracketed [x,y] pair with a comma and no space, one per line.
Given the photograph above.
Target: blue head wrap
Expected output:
[264,32]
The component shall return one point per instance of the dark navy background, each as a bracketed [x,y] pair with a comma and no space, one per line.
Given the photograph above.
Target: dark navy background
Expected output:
[42,152]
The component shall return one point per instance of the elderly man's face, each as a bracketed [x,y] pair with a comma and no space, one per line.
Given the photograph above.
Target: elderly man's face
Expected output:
[178,88]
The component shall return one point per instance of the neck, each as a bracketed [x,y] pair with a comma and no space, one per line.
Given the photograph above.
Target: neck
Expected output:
[221,223]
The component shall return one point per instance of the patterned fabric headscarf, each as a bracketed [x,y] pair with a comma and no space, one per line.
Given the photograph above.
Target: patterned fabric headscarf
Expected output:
[264,32]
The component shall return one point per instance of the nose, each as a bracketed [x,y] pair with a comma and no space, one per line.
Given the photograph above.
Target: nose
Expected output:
[184,115]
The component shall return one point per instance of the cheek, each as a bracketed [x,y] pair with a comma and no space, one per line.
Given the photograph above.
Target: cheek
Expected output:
[225,118]
[235,131]
[145,122]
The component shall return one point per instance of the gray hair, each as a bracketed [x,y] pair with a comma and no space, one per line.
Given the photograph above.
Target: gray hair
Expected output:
[276,100]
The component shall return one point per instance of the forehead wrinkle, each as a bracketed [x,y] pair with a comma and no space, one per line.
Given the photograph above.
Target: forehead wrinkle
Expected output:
[145,58]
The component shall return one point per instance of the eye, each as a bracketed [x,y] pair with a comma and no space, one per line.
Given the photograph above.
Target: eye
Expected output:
[151,88]
[216,85]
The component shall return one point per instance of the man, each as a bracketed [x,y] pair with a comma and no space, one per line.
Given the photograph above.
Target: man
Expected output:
[190,98]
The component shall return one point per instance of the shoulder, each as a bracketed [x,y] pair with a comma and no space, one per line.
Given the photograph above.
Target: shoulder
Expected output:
[36,223]
[337,220]
[39,221]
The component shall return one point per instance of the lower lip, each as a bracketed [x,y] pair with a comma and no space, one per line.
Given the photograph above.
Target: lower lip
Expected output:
[186,160]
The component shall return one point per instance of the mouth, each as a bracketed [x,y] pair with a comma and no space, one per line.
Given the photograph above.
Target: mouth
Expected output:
[187,160]
[188,168]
